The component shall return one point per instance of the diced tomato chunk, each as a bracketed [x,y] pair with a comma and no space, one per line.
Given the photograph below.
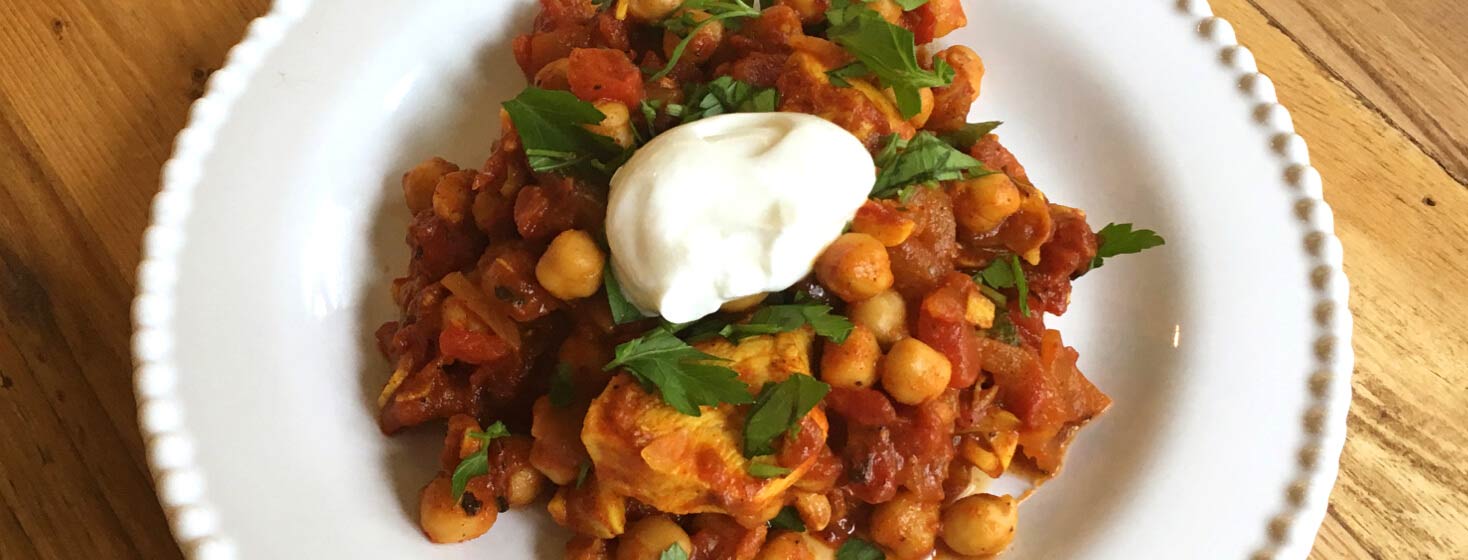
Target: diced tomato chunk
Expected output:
[866,407]
[473,347]
[1048,394]
[602,74]
[941,324]
[937,18]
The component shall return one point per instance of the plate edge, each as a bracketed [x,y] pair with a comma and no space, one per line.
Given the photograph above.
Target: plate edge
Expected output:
[1290,533]
[181,487]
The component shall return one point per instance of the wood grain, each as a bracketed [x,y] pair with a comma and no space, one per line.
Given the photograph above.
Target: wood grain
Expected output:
[92,93]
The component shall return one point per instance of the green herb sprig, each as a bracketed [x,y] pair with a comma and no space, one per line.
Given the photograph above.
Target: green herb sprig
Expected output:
[622,310]
[550,125]
[1006,273]
[477,463]
[857,549]
[687,26]
[779,410]
[685,377]
[888,51]
[788,519]
[1120,239]
[924,160]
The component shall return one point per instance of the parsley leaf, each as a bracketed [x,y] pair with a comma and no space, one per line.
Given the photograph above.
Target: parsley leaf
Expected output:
[622,310]
[727,95]
[853,70]
[581,473]
[1119,239]
[562,390]
[910,5]
[997,275]
[788,519]
[779,409]
[767,470]
[687,26]
[1004,330]
[1002,274]
[477,463]
[923,160]
[785,318]
[674,552]
[966,136]
[549,123]
[857,549]
[1020,284]
[888,51]
[686,377]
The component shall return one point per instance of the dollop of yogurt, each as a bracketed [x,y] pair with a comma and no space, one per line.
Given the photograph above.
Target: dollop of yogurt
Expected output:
[731,206]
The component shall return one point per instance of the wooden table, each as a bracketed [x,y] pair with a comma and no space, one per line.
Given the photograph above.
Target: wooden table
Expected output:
[92,93]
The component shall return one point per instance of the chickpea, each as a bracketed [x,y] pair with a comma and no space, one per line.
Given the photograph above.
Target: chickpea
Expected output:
[616,124]
[810,11]
[814,510]
[888,9]
[785,546]
[980,525]
[852,364]
[651,11]
[906,526]
[453,197]
[982,204]
[571,267]
[925,110]
[420,182]
[648,538]
[884,314]
[705,41]
[742,304]
[447,521]
[554,75]
[589,509]
[523,484]
[914,372]
[855,267]
[493,213]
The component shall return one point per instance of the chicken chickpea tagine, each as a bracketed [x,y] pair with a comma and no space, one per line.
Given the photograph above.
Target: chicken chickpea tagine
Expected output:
[741,281]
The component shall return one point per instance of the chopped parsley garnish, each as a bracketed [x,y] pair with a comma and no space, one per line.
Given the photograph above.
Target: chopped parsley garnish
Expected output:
[549,123]
[477,463]
[767,470]
[686,377]
[854,70]
[727,95]
[687,26]
[857,549]
[674,552]
[774,319]
[924,160]
[581,473]
[788,519]
[1002,274]
[910,5]
[966,136]
[1119,239]
[622,310]
[779,410]
[888,51]
[562,390]
[1004,330]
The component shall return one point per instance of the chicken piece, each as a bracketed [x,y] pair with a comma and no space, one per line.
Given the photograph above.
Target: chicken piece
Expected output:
[644,449]
[764,359]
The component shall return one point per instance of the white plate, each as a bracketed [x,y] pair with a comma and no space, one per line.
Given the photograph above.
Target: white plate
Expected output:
[280,224]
